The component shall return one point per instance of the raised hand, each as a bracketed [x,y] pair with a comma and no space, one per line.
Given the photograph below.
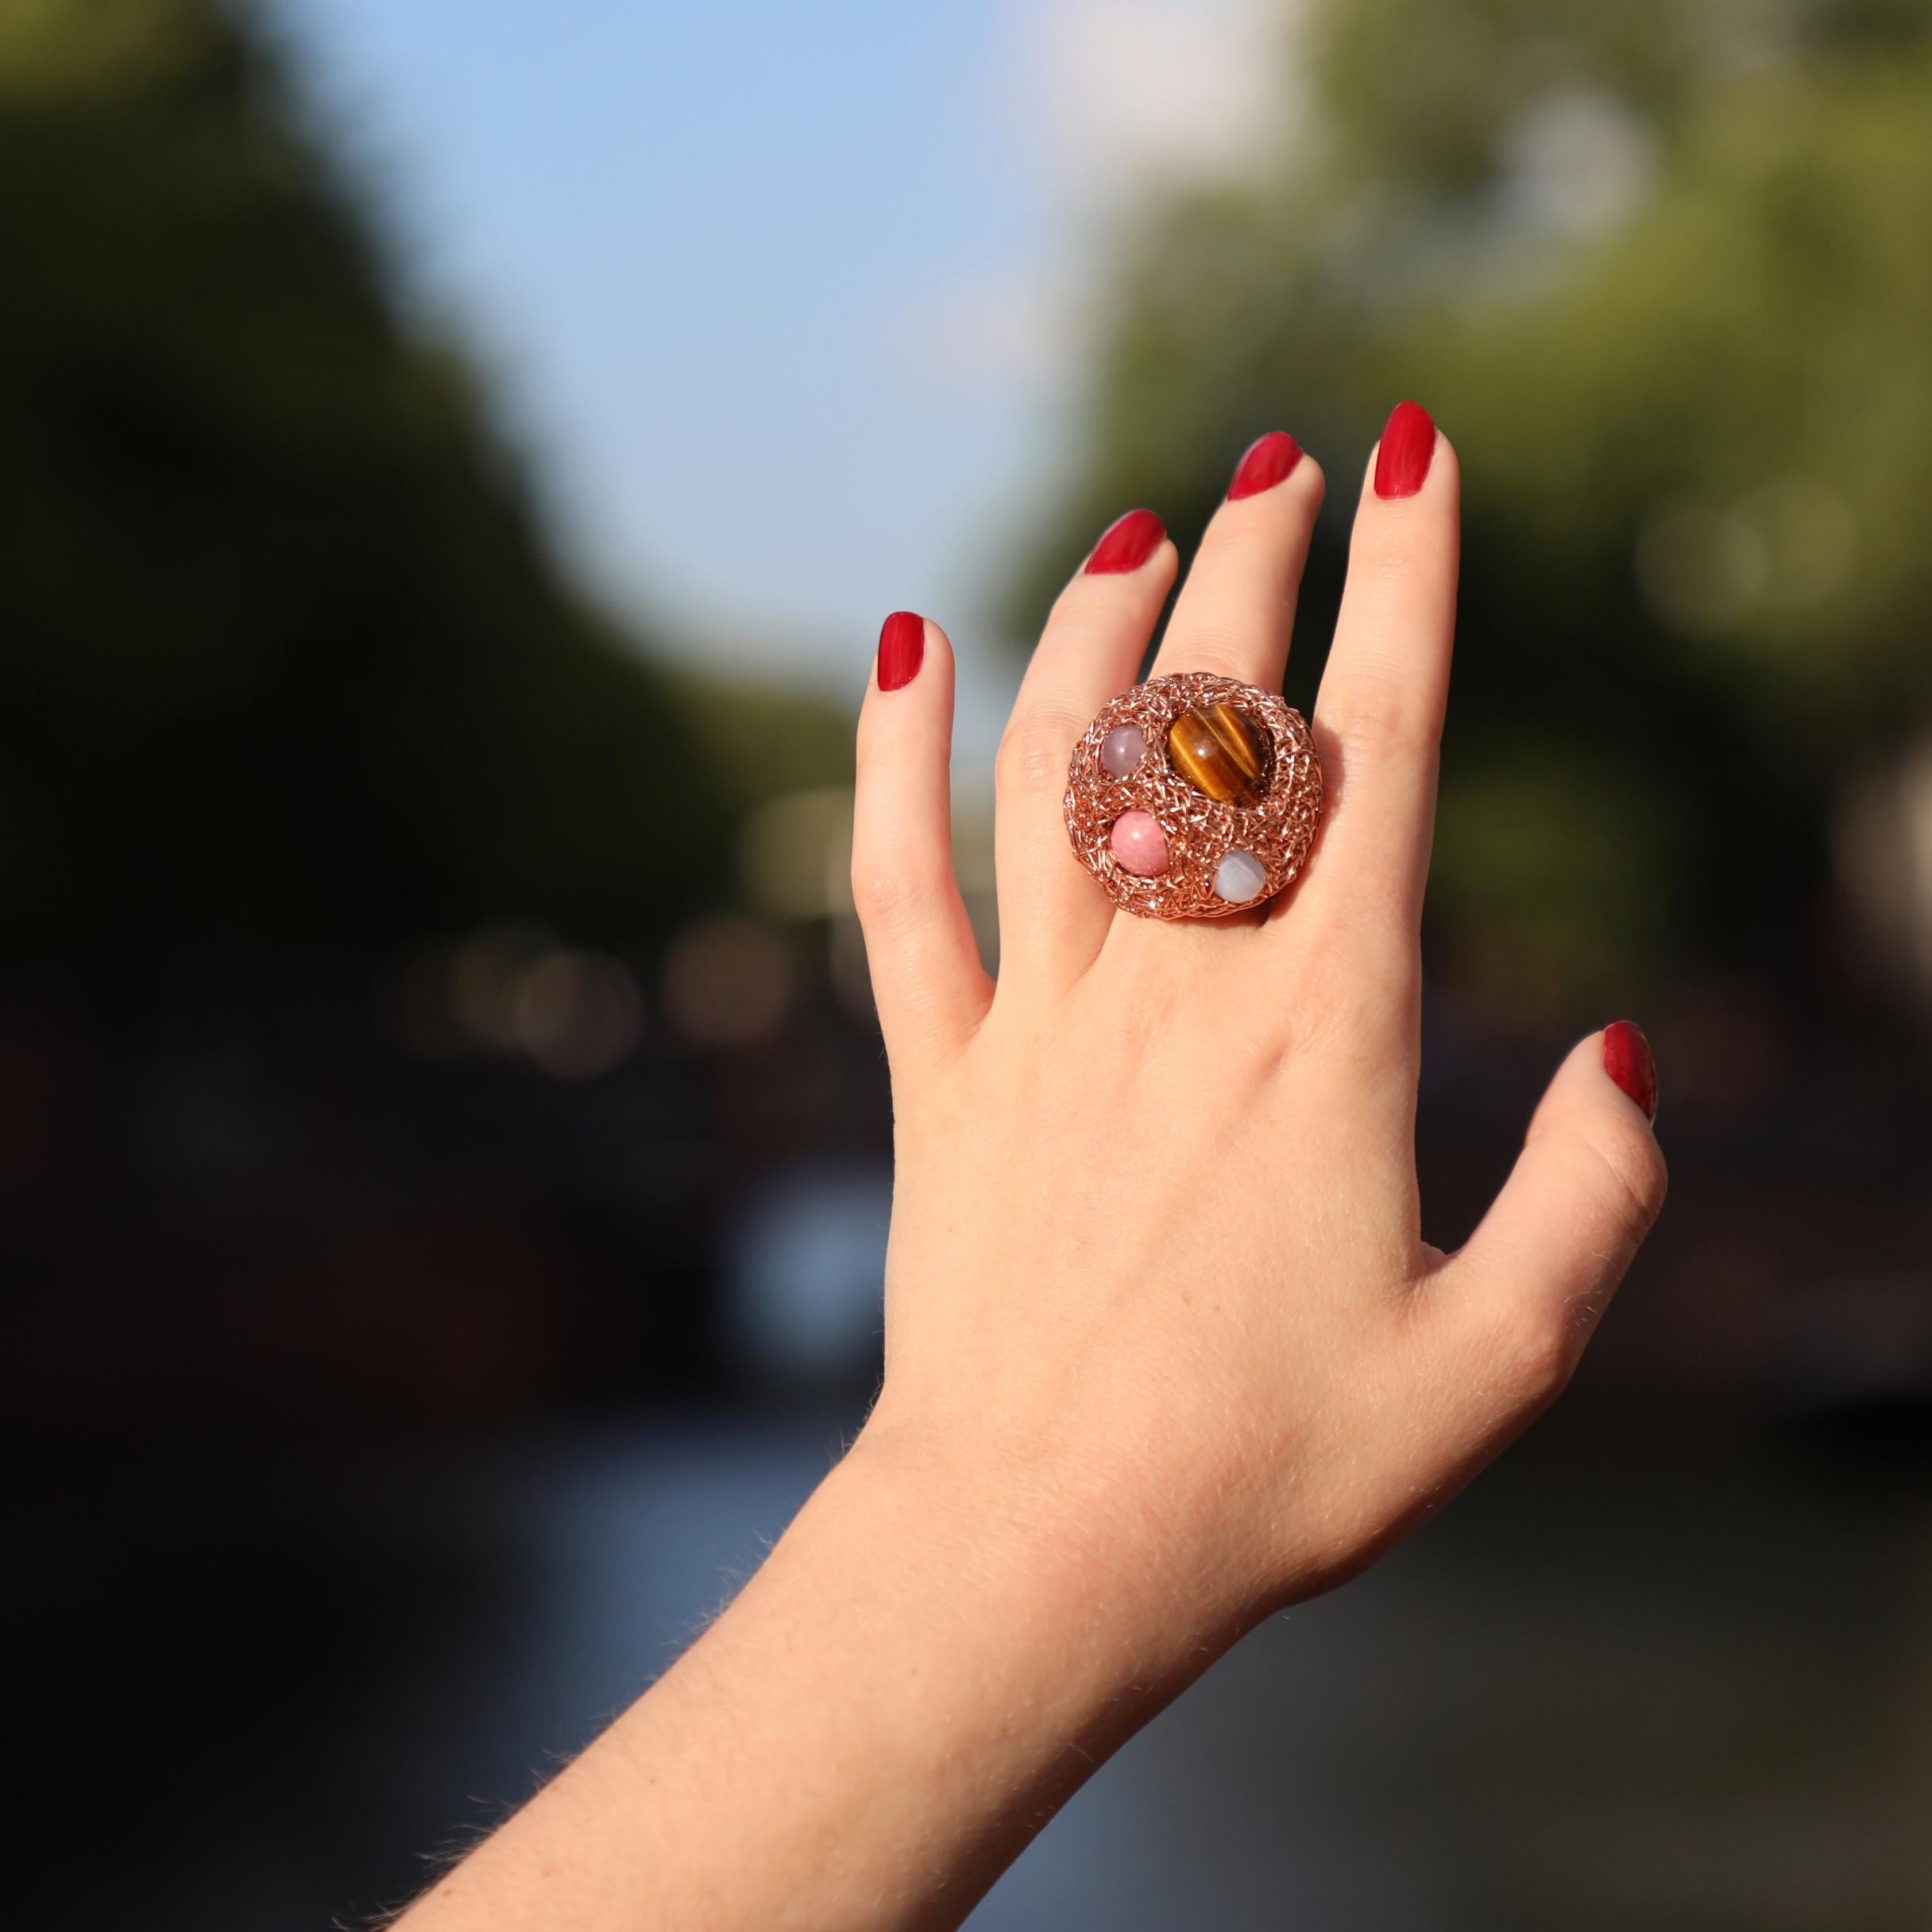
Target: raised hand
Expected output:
[1157,1262]
[1165,1346]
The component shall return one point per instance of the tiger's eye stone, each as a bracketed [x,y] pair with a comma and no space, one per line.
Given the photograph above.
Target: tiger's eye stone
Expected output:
[1219,751]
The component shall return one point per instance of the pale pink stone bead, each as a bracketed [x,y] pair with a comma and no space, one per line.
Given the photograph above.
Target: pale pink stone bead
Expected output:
[1139,845]
[1122,749]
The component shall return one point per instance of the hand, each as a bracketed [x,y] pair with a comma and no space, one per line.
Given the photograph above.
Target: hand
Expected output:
[1165,1348]
[1156,1275]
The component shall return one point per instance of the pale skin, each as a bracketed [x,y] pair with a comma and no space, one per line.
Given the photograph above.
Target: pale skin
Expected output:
[1165,1350]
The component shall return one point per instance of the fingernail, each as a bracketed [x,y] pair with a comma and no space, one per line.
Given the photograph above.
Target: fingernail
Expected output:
[1407,447]
[901,647]
[1127,542]
[1627,1059]
[1268,460]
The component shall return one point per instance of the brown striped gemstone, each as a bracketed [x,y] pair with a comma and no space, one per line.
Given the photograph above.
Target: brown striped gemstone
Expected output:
[1219,751]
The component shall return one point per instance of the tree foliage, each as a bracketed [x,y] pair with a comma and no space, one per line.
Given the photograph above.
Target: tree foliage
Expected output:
[285,660]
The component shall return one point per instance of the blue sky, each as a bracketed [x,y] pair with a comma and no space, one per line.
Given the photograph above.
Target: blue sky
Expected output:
[783,300]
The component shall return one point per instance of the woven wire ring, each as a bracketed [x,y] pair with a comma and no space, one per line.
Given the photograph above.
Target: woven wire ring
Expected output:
[1276,830]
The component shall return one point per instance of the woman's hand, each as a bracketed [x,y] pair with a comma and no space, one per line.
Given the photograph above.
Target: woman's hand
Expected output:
[1156,1274]
[1165,1348]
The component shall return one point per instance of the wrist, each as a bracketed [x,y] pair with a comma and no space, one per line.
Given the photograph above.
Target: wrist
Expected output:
[1077,1575]
[927,1664]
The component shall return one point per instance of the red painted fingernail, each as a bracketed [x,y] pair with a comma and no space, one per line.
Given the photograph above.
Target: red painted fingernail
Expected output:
[1627,1059]
[1268,460]
[1408,446]
[902,646]
[1127,542]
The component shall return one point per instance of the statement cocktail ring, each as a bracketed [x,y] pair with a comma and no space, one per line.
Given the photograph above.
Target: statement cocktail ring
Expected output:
[1191,796]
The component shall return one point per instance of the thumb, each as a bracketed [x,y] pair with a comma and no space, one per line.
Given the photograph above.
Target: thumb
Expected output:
[1584,1192]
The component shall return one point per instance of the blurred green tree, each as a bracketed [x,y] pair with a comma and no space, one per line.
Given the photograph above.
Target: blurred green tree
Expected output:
[284,660]
[1661,271]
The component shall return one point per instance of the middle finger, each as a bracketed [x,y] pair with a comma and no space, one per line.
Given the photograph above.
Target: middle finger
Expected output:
[1237,609]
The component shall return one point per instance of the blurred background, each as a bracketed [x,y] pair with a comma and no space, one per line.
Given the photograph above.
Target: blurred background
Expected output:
[453,464]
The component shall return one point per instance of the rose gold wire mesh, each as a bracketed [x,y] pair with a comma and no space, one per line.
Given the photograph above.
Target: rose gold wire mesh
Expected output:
[1278,831]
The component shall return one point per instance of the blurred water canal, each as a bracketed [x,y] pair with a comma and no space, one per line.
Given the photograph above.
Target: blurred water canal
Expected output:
[1649,1672]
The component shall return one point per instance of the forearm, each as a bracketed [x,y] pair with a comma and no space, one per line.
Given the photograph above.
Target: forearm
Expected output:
[921,1672]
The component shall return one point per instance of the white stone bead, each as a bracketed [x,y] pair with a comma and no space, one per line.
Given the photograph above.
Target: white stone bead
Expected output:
[1238,877]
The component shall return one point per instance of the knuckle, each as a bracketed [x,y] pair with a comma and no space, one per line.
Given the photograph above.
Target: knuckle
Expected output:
[1087,605]
[1638,1180]
[884,895]
[883,747]
[1376,714]
[1385,568]
[1034,754]
[1533,1352]
[1620,1167]
[1073,609]
[1395,564]
[1355,999]
[1216,647]
[1244,542]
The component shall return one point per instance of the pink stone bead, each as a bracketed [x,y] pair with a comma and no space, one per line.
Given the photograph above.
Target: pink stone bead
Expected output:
[1139,845]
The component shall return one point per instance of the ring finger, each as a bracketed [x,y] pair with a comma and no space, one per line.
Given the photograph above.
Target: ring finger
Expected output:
[1052,920]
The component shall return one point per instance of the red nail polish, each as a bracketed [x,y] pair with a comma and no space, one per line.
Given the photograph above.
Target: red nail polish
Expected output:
[1408,446]
[901,647]
[1627,1059]
[1269,459]
[1127,544]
